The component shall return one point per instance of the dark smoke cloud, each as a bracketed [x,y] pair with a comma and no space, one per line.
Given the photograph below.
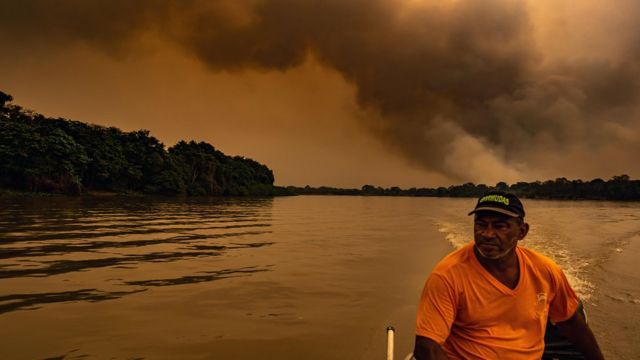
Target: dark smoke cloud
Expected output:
[461,87]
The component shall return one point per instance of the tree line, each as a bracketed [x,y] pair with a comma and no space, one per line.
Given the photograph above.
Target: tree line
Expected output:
[40,154]
[619,187]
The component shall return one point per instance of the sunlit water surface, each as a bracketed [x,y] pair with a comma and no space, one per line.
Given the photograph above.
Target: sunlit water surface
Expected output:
[285,278]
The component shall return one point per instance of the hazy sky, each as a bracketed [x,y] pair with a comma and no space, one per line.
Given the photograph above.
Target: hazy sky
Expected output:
[347,92]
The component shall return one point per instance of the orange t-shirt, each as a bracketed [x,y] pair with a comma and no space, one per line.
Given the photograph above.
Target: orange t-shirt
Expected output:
[474,316]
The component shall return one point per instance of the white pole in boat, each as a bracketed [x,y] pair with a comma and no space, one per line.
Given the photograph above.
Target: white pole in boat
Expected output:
[390,332]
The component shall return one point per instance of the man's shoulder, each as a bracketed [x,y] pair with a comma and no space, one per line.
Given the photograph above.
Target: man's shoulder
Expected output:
[538,260]
[457,259]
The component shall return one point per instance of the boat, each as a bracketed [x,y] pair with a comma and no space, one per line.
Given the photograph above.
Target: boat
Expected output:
[556,344]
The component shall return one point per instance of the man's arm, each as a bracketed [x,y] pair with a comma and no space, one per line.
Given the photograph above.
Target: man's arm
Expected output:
[436,313]
[581,336]
[427,349]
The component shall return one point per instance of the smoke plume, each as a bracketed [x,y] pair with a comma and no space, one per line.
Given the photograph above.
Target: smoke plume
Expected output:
[468,88]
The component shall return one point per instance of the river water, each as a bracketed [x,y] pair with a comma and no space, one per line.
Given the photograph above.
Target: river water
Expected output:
[307,277]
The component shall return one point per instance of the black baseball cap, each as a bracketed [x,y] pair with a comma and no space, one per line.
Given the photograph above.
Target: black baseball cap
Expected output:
[500,202]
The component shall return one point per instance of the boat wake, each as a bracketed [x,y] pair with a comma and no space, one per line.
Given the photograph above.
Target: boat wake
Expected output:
[575,268]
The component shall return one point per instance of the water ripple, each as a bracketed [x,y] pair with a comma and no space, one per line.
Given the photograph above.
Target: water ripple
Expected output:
[94,242]
[31,301]
[193,279]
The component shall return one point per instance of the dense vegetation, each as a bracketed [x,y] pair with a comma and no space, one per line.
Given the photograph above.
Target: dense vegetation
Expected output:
[618,188]
[40,154]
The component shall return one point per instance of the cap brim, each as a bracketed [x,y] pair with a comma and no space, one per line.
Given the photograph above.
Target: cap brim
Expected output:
[495,209]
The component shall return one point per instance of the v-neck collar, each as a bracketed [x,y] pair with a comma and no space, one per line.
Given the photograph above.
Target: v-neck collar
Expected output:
[500,286]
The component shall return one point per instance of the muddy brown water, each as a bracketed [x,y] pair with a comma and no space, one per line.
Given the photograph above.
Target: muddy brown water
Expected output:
[313,277]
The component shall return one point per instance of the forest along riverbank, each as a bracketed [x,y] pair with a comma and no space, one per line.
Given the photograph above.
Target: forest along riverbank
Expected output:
[278,278]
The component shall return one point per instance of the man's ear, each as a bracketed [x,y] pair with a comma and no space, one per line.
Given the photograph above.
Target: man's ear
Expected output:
[524,230]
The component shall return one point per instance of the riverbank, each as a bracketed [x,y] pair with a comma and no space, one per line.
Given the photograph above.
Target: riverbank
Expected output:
[627,192]
[620,187]
[8,193]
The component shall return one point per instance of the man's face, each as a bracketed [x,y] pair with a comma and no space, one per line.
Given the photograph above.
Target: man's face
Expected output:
[496,235]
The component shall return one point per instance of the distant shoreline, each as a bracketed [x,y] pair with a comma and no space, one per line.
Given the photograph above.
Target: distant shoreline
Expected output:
[618,188]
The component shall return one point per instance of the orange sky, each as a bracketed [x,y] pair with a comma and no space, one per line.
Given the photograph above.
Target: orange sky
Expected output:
[400,93]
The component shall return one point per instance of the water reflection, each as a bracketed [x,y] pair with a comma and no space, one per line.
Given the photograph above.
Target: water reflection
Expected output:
[123,230]
[66,248]
[74,355]
[65,266]
[94,238]
[30,301]
[193,279]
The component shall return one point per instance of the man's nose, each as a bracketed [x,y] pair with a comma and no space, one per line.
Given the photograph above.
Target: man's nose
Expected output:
[488,232]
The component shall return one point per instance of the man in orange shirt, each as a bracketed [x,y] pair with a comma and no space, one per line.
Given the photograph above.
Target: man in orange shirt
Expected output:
[491,299]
